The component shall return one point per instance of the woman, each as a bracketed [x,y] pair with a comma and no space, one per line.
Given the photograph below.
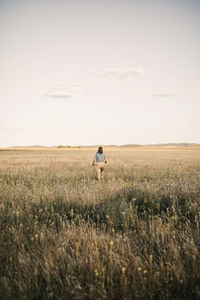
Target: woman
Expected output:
[99,161]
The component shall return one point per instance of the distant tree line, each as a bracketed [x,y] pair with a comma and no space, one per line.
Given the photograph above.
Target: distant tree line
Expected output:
[67,146]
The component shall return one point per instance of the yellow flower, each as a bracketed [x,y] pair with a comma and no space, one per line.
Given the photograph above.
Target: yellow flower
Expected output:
[139,269]
[111,243]
[96,272]
[36,236]
[123,269]
[145,272]
[32,238]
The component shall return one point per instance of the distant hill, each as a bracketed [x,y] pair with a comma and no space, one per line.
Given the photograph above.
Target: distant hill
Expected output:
[175,145]
[152,145]
[164,145]
[33,146]
[133,145]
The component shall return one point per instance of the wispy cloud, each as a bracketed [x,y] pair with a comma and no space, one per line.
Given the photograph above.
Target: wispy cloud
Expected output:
[13,130]
[4,129]
[52,94]
[63,90]
[123,72]
[164,95]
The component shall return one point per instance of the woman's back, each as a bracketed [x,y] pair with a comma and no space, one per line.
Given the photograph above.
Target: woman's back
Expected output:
[100,157]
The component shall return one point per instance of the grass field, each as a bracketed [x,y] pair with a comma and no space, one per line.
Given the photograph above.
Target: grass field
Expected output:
[133,235]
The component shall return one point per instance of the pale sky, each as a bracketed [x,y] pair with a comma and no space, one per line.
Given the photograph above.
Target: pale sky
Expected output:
[85,72]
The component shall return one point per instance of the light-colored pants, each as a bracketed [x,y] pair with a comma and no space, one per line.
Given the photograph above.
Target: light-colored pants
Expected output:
[100,169]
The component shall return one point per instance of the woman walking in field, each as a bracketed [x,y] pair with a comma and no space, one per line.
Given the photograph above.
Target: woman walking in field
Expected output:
[99,161]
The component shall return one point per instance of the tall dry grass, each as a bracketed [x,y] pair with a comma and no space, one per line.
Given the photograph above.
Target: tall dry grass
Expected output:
[134,235]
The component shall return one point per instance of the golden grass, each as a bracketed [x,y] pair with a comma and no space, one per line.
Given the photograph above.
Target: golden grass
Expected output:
[133,235]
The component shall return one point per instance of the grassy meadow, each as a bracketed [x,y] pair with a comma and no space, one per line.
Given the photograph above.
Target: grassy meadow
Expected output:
[133,235]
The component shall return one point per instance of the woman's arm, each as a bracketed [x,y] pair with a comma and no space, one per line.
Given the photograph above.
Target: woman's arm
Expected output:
[95,159]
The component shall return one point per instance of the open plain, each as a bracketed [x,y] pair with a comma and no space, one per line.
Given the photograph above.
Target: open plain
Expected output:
[133,235]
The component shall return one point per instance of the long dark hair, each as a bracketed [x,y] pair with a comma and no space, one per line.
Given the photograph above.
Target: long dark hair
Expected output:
[100,150]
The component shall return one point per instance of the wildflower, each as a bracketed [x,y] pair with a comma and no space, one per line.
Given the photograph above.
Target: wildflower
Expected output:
[139,269]
[111,243]
[96,272]
[32,239]
[151,257]
[145,272]
[113,230]
[36,236]
[123,269]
